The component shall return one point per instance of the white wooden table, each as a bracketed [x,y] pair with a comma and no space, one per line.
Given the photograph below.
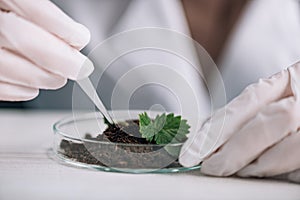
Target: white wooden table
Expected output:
[28,172]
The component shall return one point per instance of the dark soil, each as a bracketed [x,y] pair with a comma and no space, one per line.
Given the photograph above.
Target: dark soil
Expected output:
[116,151]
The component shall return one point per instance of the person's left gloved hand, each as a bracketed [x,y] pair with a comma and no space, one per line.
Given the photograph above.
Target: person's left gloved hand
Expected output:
[255,135]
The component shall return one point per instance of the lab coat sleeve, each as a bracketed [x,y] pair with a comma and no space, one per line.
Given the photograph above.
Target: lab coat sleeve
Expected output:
[265,41]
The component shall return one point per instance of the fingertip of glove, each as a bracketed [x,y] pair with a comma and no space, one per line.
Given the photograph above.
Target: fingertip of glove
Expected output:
[186,159]
[187,162]
[12,92]
[55,83]
[85,71]
[80,37]
[31,95]
[192,153]
[24,94]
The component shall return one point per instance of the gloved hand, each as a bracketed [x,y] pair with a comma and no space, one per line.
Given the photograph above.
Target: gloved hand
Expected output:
[39,48]
[255,135]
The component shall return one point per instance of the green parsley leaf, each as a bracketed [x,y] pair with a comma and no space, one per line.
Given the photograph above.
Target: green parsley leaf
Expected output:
[164,129]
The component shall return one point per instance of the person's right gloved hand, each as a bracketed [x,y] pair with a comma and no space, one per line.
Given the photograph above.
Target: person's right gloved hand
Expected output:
[39,48]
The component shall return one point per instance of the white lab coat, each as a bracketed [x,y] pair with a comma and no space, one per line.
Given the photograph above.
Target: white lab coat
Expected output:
[265,40]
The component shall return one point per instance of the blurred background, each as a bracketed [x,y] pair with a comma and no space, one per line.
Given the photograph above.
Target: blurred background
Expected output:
[247,39]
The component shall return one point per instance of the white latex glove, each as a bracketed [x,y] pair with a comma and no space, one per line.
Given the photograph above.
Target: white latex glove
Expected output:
[39,48]
[259,136]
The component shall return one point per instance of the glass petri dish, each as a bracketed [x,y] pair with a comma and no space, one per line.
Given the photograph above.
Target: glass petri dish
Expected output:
[75,144]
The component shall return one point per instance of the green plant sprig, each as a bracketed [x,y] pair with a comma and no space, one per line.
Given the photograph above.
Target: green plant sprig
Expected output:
[164,129]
